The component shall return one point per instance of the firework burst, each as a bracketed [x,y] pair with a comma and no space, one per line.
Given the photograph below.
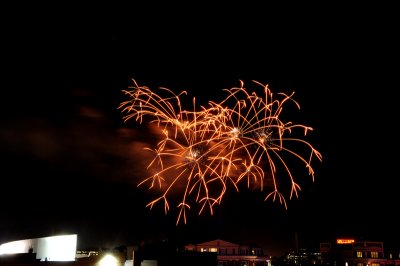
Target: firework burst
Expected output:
[204,151]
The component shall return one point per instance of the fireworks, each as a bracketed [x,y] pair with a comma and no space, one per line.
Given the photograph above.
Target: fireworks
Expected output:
[207,150]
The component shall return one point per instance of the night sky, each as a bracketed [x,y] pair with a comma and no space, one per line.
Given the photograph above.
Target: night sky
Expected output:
[70,164]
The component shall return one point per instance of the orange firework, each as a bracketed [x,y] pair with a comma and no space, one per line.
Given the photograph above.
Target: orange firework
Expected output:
[201,152]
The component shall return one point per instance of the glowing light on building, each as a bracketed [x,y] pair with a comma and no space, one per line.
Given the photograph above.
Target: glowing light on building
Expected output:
[52,248]
[344,241]
[14,247]
[57,248]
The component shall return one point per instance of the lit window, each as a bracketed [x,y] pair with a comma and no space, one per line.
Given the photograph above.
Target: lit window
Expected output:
[375,264]
[360,264]
[374,254]
[359,254]
[213,249]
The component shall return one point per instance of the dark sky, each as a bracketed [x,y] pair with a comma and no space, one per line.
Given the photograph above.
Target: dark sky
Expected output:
[69,162]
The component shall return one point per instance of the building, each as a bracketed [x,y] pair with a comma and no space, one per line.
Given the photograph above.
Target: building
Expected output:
[349,252]
[169,253]
[304,256]
[231,254]
[62,251]
[51,248]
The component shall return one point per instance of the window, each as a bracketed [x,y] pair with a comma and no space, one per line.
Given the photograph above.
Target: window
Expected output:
[325,245]
[213,250]
[359,254]
[376,245]
[374,264]
[374,254]
[360,264]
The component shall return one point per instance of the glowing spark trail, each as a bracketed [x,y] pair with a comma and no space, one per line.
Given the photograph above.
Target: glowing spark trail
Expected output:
[202,152]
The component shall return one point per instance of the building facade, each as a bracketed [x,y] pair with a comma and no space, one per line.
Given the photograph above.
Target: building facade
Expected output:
[231,254]
[349,252]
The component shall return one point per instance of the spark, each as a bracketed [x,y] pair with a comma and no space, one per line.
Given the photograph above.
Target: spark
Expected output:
[204,151]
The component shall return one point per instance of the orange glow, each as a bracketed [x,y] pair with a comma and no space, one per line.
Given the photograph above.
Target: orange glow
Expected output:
[344,241]
[205,151]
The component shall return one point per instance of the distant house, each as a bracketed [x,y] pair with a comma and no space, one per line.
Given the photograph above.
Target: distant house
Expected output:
[351,252]
[231,254]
